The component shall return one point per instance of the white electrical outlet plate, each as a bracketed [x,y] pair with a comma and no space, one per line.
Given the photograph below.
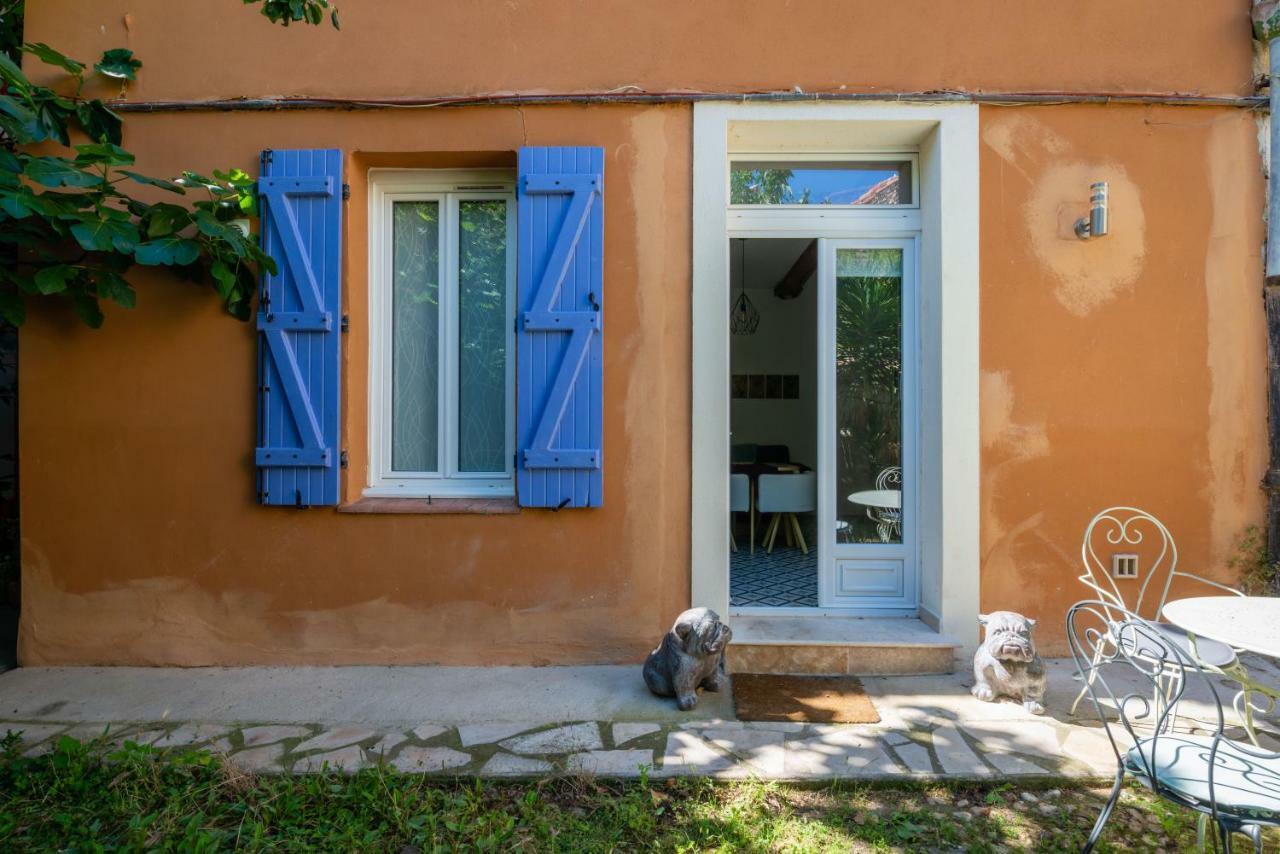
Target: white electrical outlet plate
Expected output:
[1124,566]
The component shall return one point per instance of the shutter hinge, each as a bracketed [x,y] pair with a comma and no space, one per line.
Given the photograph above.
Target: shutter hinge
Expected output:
[297,500]
[346,191]
[346,323]
[266,156]
[342,458]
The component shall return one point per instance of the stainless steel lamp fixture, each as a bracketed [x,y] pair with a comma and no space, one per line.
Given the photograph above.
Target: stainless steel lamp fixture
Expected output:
[1095,224]
[744,318]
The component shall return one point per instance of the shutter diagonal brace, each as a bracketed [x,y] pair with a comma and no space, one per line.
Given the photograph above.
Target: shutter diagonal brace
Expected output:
[585,189]
[277,192]
[275,326]
[304,414]
[581,325]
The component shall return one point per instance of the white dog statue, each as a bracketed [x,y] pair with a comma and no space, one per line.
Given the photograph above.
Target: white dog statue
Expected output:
[1006,664]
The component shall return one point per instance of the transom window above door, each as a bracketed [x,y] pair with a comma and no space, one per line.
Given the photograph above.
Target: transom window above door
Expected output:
[865,181]
[442,273]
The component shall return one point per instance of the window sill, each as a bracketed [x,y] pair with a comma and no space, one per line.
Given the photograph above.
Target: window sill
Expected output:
[433,506]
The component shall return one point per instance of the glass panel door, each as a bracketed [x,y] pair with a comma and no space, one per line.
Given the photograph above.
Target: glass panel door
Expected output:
[867,424]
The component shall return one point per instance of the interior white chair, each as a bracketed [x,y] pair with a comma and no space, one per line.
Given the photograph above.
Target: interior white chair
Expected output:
[785,495]
[1143,591]
[740,502]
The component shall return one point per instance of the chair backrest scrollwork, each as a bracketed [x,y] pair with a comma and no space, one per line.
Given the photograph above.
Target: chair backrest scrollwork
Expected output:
[1129,530]
[889,478]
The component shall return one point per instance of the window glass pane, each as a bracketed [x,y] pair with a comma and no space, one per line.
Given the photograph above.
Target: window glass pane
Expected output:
[869,396]
[881,182]
[415,336]
[482,335]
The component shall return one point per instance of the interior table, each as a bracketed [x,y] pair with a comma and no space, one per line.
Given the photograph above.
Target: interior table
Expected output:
[1243,622]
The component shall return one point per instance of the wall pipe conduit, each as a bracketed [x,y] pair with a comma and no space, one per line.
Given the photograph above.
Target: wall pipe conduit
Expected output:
[1271,301]
[637,97]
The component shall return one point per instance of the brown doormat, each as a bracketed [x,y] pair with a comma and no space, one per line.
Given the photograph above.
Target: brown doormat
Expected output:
[813,699]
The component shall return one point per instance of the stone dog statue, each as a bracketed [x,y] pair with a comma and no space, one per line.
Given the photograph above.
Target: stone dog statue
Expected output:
[691,656]
[1006,664]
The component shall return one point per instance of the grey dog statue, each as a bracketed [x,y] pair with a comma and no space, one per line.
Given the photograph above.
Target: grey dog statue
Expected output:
[691,656]
[1006,664]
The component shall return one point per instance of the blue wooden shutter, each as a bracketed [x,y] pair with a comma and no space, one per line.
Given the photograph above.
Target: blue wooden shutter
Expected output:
[299,327]
[560,281]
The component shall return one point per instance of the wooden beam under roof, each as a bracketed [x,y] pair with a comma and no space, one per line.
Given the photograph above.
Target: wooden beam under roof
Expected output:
[792,284]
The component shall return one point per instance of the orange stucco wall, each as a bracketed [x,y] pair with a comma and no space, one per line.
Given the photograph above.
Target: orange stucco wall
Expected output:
[1124,370]
[413,48]
[142,541]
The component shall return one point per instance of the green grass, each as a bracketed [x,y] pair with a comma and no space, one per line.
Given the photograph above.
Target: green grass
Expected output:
[83,798]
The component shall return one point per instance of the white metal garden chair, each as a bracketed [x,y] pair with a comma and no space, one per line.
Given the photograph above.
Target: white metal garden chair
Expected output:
[1123,660]
[1142,552]
[888,519]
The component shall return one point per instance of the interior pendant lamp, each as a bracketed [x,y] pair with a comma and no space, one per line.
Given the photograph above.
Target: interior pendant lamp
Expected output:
[744,319]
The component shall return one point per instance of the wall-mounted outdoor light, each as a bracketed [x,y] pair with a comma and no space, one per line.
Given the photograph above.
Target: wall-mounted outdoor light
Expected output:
[1095,224]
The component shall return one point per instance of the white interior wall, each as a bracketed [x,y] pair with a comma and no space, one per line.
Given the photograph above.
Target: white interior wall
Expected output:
[784,343]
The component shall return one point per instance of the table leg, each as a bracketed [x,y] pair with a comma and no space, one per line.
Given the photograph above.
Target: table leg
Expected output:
[1248,688]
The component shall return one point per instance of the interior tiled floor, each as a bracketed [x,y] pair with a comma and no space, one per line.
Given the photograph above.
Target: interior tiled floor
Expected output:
[786,578]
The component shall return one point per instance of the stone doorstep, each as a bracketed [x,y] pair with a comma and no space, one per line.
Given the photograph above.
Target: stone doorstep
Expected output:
[838,646]
[839,660]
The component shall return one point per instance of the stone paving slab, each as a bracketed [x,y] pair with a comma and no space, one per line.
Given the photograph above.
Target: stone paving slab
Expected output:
[426,760]
[564,739]
[611,763]
[509,765]
[939,730]
[331,739]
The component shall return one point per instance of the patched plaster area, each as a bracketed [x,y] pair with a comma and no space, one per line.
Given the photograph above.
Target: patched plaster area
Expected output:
[1091,273]
[1087,274]
[1232,272]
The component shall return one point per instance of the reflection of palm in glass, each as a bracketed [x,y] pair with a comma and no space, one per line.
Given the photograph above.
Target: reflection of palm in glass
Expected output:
[868,387]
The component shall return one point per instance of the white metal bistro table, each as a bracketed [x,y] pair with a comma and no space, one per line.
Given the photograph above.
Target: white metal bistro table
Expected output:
[885,509]
[1244,622]
[1250,623]
[885,499]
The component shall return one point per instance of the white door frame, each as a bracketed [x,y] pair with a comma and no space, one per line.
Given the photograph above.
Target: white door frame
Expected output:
[830,554]
[946,137]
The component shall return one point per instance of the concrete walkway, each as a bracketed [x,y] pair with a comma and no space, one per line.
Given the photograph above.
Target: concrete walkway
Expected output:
[510,721]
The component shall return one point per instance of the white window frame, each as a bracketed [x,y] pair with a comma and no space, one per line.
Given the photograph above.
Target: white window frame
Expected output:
[449,187]
[833,156]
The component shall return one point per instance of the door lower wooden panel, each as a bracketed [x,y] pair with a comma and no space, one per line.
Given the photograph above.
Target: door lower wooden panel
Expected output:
[870,578]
